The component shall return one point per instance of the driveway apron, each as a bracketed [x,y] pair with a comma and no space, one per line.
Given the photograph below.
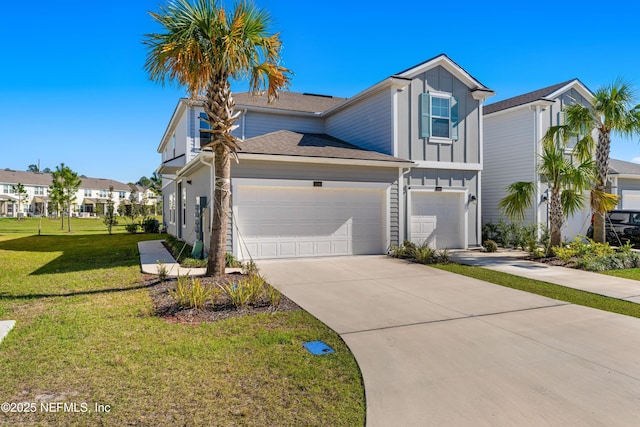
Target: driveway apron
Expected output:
[440,349]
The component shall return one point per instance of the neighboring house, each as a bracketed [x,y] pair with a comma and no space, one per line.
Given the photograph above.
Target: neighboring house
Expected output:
[624,178]
[91,197]
[140,194]
[319,175]
[513,130]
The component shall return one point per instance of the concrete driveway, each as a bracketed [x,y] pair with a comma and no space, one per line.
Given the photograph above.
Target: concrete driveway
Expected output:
[439,349]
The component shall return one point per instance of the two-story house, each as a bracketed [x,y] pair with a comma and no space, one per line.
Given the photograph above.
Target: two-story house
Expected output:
[91,198]
[513,130]
[319,175]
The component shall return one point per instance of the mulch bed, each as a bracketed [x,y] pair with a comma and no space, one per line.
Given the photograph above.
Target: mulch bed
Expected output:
[167,308]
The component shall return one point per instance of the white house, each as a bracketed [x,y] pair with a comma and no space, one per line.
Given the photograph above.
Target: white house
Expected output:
[91,197]
[319,175]
[513,130]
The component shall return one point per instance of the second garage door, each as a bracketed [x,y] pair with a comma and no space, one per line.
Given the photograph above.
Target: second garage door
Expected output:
[285,222]
[437,218]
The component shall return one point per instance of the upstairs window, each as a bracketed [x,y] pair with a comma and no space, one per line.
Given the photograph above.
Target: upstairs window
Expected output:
[205,137]
[121,194]
[38,191]
[439,116]
[102,193]
[87,193]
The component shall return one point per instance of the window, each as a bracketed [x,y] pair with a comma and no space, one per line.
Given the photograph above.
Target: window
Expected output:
[6,188]
[205,137]
[87,193]
[184,207]
[439,116]
[121,194]
[38,191]
[102,193]
[172,208]
[173,145]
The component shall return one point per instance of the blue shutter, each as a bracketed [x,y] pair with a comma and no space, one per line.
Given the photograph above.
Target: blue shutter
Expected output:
[454,118]
[425,116]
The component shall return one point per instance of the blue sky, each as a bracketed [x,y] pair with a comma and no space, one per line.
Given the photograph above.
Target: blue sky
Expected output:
[73,88]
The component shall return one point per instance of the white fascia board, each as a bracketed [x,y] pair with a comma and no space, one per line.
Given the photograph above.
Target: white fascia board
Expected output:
[578,86]
[450,66]
[430,164]
[399,83]
[324,160]
[545,102]
[175,117]
[305,183]
[480,94]
[624,176]
[195,164]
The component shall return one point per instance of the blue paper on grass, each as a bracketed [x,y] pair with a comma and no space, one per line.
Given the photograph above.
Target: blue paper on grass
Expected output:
[317,348]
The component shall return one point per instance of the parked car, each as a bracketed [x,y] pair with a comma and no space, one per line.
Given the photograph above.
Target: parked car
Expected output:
[622,226]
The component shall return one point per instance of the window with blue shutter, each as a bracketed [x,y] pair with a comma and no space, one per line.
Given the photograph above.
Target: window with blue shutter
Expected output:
[438,116]
[425,117]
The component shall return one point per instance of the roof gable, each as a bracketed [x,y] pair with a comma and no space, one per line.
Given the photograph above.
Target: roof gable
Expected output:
[544,94]
[448,64]
[620,167]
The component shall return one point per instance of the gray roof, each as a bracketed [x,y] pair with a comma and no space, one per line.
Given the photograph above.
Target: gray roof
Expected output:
[526,98]
[289,101]
[288,143]
[8,176]
[620,167]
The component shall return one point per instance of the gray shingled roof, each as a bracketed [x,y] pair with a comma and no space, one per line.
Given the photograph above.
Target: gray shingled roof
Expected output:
[8,176]
[289,101]
[524,98]
[620,167]
[288,143]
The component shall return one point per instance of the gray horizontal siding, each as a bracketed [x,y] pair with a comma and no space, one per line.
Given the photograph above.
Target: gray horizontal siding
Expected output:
[367,125]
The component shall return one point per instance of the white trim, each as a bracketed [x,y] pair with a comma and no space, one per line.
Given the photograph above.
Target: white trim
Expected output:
[448,65]
[439,140]
[293,183]
[538,102]
[577,85]
[458,190]
[624,176]
[478,210]
[236,183]
[401,201]
[324,160]
[394,121]
[432,164]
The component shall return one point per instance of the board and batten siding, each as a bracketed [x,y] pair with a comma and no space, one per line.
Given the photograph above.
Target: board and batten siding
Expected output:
[456,179]
[368,124]
[412,146]
[255,169]
[509,156]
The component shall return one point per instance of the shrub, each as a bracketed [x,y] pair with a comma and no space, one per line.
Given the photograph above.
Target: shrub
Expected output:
[442,257]
[237,293]
[490,246]
[192,293]
[132,228]
[193,263]
[424,254]
[231,261]
[151,225]
[162,271]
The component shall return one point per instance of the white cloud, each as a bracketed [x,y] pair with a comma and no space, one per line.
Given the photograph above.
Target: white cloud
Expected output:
[635,160]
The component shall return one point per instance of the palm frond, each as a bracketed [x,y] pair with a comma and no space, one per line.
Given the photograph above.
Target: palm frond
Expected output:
[572,201]
[518,200]
[601,201]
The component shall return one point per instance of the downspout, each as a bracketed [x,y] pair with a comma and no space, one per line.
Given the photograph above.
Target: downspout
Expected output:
[402,202]
[536,140]
[244,122]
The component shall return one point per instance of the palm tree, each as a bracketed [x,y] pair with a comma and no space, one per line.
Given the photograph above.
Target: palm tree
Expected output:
[566,181]
[204,48]
[612,112]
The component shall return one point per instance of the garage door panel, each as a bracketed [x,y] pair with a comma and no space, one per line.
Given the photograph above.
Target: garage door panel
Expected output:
[296,222]
[437,219]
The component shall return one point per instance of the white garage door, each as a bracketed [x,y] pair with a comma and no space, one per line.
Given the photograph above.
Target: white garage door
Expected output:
[278,222]
[438,219]
[630,199]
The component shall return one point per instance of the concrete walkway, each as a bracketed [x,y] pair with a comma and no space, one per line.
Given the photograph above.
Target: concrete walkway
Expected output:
[510,261]
[440,349]
[5,327]
[153,254]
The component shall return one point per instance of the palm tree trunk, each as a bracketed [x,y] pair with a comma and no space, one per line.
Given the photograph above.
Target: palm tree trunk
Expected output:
[602,170]
[555,217]
[219,107]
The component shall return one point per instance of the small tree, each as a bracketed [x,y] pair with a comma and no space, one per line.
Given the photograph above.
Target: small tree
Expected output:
[110,219]
[66,183]
[20,191]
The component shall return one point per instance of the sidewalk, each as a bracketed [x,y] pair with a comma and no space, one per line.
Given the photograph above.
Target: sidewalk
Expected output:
[153,254]
[510,261]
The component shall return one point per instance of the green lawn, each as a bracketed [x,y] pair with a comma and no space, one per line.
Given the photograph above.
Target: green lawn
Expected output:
[631,273]
[550,290]
[85,334]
